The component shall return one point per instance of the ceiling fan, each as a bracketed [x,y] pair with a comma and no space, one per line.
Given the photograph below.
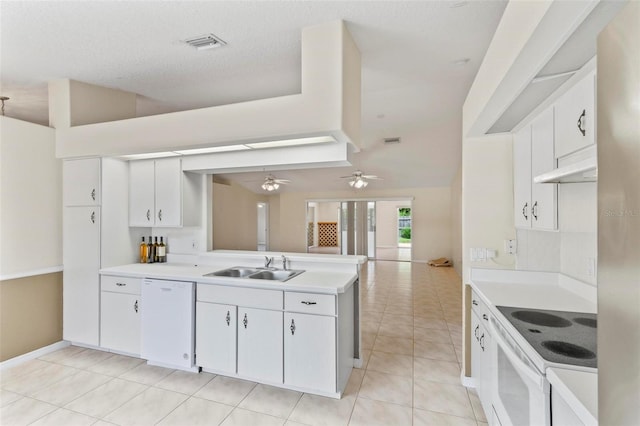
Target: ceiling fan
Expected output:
[271,183]
[358,179]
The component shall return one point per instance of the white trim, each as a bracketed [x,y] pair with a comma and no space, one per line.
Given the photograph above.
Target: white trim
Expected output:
[32,273]
[20,359]
[370,198]
[467,382]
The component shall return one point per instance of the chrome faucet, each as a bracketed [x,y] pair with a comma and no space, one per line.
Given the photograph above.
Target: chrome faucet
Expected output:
[267,261]
[284,263]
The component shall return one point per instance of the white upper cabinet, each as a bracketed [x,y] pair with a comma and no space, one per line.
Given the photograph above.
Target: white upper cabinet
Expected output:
[168,183]
[544,211]
[81,182]
[142,193]
[535,204]
[575,117]
[160,194]
[522,177]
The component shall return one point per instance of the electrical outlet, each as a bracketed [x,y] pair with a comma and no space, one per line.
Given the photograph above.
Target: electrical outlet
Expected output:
[482,254]
[510,246]
[492,253]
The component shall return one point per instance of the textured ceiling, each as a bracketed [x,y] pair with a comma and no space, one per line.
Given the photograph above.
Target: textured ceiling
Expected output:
[411,86]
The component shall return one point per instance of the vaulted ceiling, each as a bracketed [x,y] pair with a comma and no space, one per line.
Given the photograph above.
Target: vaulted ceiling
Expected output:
[419,59]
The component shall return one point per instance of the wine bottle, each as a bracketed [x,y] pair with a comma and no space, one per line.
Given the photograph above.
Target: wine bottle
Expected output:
[162,251]
[150,253]
[155,250]
[143,251]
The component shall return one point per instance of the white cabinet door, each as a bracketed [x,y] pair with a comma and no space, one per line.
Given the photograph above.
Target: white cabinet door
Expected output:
[575,117]
[141,193]
[216,337]
[522,177]
[81,289]
[562,413]
[543,195]
[260,344]
[310,340]
[120,322]
[481,363]
[168,187]
[81,182]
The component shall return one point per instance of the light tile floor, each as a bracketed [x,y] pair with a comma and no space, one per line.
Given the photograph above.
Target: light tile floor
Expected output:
[411,320]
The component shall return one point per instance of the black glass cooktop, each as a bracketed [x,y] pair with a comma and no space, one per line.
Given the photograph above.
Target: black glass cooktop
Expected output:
[558,336]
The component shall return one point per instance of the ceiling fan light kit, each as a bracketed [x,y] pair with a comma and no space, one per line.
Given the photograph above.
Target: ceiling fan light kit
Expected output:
[271,184]
[358,183]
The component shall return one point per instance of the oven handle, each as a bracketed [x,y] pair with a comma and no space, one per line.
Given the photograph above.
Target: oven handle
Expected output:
[532,374]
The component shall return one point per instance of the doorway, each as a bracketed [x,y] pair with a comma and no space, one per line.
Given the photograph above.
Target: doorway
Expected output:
[263,226]
[393,230]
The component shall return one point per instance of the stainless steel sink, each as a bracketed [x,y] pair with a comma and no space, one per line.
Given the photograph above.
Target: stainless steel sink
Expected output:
[275,275]
[236,271]
[255,273]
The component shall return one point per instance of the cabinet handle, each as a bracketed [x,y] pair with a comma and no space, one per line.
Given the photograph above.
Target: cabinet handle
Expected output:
[474,302]
[245,321]
[135,306]
[121,284]
[476,332]
[160,215]
[482,342]
[148,214]
[228,318]
[304,302]
[581,121]
[293,327]
[534,210]
[485,317]
[93,194]
[93,217]
[524,211]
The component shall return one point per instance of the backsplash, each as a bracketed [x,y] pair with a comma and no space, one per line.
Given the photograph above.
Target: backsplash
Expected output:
[573,250]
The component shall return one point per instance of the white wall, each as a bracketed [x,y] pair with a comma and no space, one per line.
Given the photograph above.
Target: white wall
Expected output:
[456,221]
[30,198]
[431,217]
[487,199]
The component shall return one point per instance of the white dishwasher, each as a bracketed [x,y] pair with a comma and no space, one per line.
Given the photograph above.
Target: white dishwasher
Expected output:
[168,323]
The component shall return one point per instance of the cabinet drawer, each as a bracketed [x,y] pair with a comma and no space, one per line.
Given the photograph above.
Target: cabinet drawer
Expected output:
[249,297]
[120,284]
[478,306]
[309,303]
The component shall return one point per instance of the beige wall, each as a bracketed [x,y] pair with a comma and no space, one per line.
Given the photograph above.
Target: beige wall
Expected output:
[456,221]
[30,314]
[30,238]
[235,217]
[431,218]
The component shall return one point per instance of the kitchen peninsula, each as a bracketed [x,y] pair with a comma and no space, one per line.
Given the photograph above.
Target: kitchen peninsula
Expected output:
[301,333]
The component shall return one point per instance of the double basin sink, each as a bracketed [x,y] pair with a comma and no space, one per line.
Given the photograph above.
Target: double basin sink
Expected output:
[256,273]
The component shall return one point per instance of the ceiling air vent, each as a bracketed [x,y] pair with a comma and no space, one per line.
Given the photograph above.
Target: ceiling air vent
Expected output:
[391,140]
[204,42]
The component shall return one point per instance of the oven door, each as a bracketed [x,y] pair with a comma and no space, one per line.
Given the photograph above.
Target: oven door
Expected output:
[521,394]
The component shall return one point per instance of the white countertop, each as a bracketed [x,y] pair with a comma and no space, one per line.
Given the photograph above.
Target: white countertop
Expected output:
[579,389]
[320,281]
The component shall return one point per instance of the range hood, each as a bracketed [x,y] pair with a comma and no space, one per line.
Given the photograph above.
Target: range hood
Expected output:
[579,167]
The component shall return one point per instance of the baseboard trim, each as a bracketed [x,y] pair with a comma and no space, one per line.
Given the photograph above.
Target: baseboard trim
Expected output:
[467,382]
[20,359]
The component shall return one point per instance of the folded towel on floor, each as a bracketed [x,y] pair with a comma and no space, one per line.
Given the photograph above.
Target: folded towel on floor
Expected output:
[442,261]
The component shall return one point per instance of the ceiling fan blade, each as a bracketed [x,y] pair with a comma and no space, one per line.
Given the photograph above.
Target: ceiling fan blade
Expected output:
[371,177]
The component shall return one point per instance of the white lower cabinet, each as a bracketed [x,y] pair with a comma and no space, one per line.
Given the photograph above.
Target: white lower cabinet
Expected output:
[120,323]
[120,307]
[260,344]
[481,353]
[81,290]
[310,351]
[303,341]
[216,337]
